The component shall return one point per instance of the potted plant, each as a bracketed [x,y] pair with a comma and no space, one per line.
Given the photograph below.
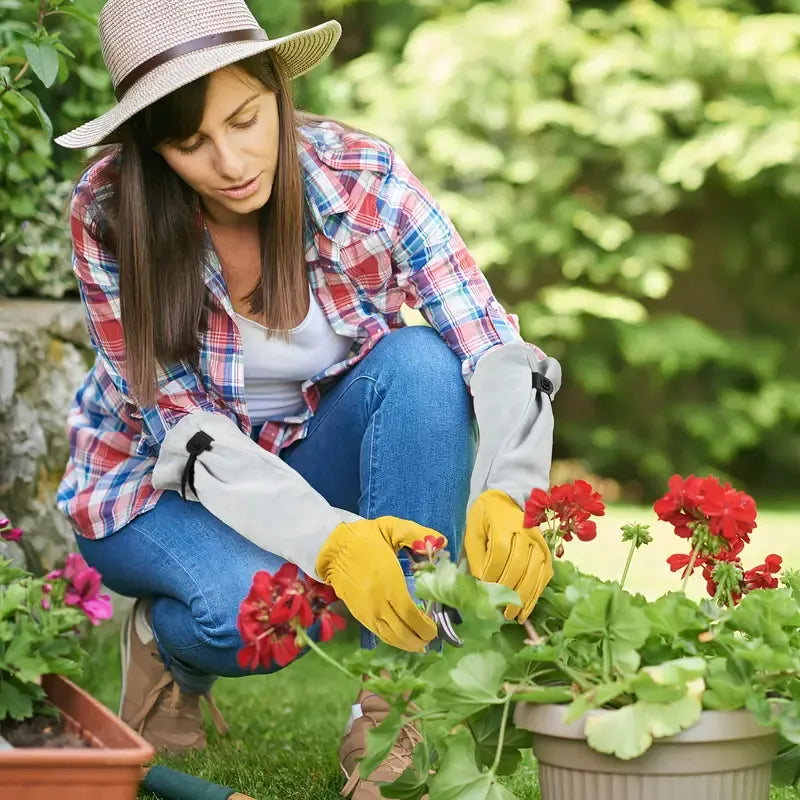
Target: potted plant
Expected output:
[623,697]
[679,696]
[57,741]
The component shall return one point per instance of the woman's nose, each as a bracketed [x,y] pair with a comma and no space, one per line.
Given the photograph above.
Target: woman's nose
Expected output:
[229,164]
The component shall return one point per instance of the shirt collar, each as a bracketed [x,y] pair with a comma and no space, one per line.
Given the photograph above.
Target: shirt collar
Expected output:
[324,192]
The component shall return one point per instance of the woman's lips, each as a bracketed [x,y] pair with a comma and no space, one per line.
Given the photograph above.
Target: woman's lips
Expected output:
[245,190]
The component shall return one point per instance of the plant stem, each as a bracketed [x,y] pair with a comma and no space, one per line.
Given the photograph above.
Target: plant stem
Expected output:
[606,661]
[689,570]
[627,564]
[307,640]
[501,736]
[531,631]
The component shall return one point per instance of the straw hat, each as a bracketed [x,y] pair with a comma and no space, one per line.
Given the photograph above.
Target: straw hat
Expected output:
[152,47]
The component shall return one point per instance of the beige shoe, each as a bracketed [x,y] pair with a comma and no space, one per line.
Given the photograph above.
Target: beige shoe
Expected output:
[151,702]
[354,745]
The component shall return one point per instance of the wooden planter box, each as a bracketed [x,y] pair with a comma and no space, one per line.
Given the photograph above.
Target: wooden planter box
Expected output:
[727,755]
[110,769]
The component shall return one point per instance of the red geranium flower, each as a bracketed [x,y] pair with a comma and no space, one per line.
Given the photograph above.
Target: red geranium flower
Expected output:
[536,508]
[568,506]
[763,576]
[681,561]
[730,513]
[693,505]
[428,546]
[275,608]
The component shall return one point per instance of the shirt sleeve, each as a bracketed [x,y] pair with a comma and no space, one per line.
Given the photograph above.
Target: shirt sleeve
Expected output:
[179,391]
[437,273]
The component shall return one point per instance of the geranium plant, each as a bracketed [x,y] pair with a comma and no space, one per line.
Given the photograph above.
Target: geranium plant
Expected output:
[39,617]
[657,664]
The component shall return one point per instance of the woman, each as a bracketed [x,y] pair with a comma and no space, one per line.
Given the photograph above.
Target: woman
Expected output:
[243,269]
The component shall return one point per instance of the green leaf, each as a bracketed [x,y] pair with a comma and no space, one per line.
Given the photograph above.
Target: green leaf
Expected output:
[19,659]
[409,786]
[485,729]
[453,586]
[459,778]
[33,102]
[43,59]
[611,618]
[596,697]
[380,741]
[475,682]
[786,765]
[674,615]
[678,670]
[16,702]
[629,731]
[500,595]
[12,598]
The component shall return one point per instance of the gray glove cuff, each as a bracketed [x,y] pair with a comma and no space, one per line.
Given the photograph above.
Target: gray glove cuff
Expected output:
[248,488]
[512,391]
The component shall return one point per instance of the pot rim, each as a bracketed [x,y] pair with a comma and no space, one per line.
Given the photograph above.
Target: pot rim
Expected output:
[547,719]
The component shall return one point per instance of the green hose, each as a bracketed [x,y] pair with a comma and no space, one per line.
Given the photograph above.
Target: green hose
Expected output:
[173,785]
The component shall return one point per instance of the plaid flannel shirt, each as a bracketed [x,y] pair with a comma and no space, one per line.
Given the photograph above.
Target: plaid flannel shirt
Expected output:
[375,239]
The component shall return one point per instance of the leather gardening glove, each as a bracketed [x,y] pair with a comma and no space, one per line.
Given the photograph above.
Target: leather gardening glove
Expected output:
[359,560]
[500,550]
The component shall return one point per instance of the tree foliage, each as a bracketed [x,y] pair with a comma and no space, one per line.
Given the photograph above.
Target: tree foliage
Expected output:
[626,173]
[628,179]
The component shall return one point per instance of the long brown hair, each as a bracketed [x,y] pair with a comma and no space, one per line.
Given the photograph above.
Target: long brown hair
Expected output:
[154,231]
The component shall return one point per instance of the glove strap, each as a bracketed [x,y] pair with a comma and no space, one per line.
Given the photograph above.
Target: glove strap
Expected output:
[542,384]
[197,444]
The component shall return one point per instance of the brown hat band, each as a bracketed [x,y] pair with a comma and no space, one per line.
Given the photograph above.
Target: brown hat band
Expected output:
[213,39]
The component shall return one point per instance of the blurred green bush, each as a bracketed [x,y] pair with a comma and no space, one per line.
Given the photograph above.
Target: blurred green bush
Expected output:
[629,180]
[628,176]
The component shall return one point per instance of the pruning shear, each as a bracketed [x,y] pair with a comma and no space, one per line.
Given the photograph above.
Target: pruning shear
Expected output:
[445,617]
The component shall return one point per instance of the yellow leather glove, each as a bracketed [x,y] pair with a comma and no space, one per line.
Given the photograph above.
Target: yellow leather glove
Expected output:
[359,560]
[500,550]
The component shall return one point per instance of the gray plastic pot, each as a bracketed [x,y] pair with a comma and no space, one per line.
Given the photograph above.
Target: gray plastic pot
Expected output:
[727,755]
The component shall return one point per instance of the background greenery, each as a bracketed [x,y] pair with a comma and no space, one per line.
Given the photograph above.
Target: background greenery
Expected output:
[627,174]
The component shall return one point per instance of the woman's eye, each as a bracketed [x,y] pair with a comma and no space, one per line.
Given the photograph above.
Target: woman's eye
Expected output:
[190,148]
[249,123]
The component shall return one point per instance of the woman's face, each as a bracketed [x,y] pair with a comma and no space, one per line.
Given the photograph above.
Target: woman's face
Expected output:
[231,160]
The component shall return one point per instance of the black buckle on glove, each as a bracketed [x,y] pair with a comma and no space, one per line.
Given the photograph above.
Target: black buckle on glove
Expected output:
[543,384]
[197,444]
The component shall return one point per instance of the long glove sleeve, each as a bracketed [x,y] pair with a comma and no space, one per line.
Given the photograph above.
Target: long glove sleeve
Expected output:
[250,489]
[512,391]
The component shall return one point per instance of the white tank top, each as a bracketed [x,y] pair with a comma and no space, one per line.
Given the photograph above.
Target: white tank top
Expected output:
[275,369]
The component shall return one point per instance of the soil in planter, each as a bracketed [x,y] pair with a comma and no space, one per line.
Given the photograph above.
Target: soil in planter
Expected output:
[39,731]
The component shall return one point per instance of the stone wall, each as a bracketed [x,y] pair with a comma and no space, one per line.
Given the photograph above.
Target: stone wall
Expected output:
[44,355]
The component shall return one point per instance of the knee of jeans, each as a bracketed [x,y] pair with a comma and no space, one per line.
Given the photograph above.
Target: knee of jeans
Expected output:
[217,625]
[421,360]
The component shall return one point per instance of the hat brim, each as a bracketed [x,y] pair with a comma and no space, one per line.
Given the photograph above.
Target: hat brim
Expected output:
[299,53]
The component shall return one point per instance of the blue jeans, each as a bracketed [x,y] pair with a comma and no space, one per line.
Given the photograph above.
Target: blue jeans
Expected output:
[393,436]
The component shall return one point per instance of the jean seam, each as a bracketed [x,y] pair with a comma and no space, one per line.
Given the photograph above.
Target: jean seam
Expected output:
[373,427]
[205,639]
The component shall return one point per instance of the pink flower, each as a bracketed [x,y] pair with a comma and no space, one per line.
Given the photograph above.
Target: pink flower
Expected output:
[83,589]
[13,535]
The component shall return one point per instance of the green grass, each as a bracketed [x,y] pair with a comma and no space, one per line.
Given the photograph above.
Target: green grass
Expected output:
[285,728]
